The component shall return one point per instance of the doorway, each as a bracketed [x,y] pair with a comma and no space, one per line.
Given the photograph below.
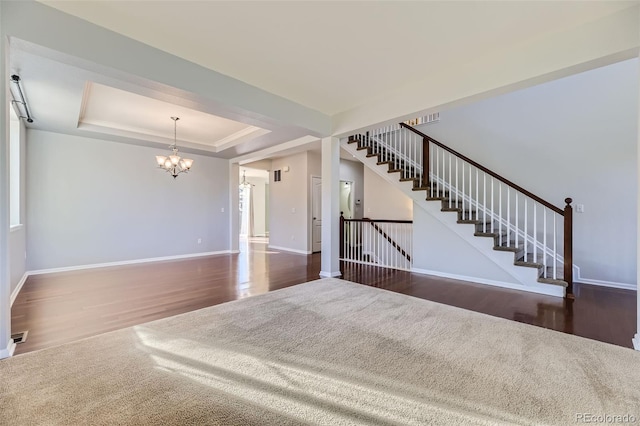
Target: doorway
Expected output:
[316,214]
[347,205]
[254,205]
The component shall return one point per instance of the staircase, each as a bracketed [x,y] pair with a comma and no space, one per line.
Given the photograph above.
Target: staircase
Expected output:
[526,236]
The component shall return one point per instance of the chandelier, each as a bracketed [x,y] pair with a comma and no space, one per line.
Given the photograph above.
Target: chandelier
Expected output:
[173,163]
[244,184]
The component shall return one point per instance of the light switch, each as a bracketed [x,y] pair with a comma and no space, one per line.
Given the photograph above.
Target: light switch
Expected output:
[293,210]
[579,208]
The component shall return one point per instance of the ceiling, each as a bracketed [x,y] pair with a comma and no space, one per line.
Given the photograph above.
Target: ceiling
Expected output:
[328,56]
[333,56]
[71,99]
[117,111]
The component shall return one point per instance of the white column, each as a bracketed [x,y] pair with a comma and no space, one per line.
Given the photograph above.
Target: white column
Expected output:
[636,339]
[329,260]
[234,207]
[6,344]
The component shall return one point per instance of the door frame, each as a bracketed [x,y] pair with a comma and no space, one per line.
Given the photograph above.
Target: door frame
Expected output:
[310,217]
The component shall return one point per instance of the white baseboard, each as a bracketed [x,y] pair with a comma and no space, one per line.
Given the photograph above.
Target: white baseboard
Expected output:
[636,342]
[8,351]
[126,262]
[15,291]
[334,274]
[289,249]
[577,278]
[550,290]
[606,283]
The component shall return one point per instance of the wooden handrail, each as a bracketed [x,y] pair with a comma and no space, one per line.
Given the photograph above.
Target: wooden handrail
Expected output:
[378,220]
[486,170]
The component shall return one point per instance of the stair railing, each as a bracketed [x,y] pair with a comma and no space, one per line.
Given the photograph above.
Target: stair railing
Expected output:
[522,222]
[380,242]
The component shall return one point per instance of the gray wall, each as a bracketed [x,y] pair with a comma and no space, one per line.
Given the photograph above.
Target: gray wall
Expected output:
[383,200]
[436,248]
[18,236]
[572,137]
[289,204]
[260,188]
[91,201]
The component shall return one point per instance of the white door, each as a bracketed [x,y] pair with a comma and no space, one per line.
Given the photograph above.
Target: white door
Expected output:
[316,214]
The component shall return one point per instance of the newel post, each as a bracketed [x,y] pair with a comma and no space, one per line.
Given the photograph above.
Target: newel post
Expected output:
[341,237]
[425,162]
[568,247]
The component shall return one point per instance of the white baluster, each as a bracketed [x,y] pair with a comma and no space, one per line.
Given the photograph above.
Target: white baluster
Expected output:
[517,227]
[492,210]
[431,180]
[365,244]
[555,251]
[526,235]
[379,253]
[349,247]
[477,198]
[409,238]
[357,242]
[462,207]
[390,247]
[415,153]
[343,238]
[500,211]
[457,193]
[544,240]
[450,181]
[387,260]
[437,167]
[535,233]
[407,244]
[396,237]
[471,194]
[484,201]
[508,217]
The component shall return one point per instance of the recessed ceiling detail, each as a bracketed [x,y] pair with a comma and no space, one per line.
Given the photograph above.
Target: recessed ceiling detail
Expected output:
[118,112]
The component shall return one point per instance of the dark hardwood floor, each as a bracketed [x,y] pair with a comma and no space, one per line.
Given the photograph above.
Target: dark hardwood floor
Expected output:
[64,307]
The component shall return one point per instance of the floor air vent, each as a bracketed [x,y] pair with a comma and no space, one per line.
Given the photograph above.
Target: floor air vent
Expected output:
[19,337]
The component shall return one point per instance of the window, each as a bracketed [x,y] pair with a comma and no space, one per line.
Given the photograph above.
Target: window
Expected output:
[14,167]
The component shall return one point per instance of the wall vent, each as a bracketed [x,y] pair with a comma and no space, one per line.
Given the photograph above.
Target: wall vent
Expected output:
[19,337]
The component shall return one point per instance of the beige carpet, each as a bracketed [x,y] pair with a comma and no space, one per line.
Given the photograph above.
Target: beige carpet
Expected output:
[326,352]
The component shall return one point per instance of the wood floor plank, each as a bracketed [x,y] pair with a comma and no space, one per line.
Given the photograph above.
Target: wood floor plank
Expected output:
[64,307]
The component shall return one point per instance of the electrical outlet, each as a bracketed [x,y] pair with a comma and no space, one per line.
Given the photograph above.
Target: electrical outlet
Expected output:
[199,240]
[222,210]
[579,208]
